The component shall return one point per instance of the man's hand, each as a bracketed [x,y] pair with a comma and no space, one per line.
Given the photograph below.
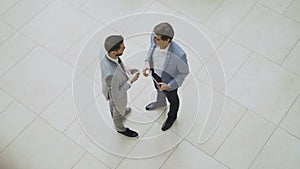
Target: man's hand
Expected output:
[163,86]
[134,77]
[146,69]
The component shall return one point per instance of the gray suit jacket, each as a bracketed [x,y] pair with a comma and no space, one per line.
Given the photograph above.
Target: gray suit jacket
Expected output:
[114,83]
[176,66]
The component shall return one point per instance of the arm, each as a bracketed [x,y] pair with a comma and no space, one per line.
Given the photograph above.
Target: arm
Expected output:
[117,90]
[148,57]
[183,71]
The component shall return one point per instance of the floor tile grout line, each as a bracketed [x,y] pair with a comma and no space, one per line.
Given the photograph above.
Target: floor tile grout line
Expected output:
[87,151]
[211,13]
[275,129]
[242,19]
[288,132]
[92,142]
[7,106]
[150,5]
[47,5]
[278,13]
[39,44]
[229,97]
[79,113]
[82,4]
[12,34]
[74,165]
[231,131]
[73,7]
[287,111]
[169,156]
[266,58]
[9,7]
[236,72]
[36,14]
[292,2]
[206,153]
[178,135]
[54,99]
[138,141]
[188,17]
[17,136]
[271,9]
[98,160]
[262,147]
[289,53]
[205,61]
[78,40]
[49,51]
[69,84]
[18,61]
[67,137]
[211,57]
[253,111]
[74,141]
[20,102]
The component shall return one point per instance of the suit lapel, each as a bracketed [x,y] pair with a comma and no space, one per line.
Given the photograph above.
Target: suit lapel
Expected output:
[119,66]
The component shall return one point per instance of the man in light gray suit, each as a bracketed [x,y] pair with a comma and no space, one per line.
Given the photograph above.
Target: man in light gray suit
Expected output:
[168,65]
[115,83]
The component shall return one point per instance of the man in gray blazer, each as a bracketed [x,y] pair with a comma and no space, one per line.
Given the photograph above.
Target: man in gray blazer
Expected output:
[168,66]
[115,83]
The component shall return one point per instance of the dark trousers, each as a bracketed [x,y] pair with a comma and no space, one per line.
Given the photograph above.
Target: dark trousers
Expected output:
[172,97]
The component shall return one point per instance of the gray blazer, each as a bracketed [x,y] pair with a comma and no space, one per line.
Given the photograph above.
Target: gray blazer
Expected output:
[176,66]
[114,83]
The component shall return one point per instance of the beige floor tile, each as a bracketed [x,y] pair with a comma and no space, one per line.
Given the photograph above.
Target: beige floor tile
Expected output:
[55,32]
[264,31]
[245,141]
[13,120]
[264,87]
[37,79]
[293,11]
[228,15]
[23,11]
[88,161]
[5,31]
[188,156]
[14,49]
[41,146]
[281,151]
[290,121]
[277,5]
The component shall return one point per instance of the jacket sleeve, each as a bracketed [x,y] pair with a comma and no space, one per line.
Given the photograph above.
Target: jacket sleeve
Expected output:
[117,90]
[183,70]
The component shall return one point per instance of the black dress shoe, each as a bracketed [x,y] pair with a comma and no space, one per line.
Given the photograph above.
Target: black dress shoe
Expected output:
[167,124]
[154,105]
[129,133]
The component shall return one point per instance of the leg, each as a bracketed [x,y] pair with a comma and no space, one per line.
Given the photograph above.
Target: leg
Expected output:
[173,99]
[117,118]
[160,96]
[118,122]
[174,106]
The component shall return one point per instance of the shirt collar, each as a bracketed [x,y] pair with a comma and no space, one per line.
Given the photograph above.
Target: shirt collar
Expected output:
[112,59]
[165,49]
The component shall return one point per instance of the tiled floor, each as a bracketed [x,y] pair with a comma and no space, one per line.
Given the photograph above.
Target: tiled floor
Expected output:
[240,103]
